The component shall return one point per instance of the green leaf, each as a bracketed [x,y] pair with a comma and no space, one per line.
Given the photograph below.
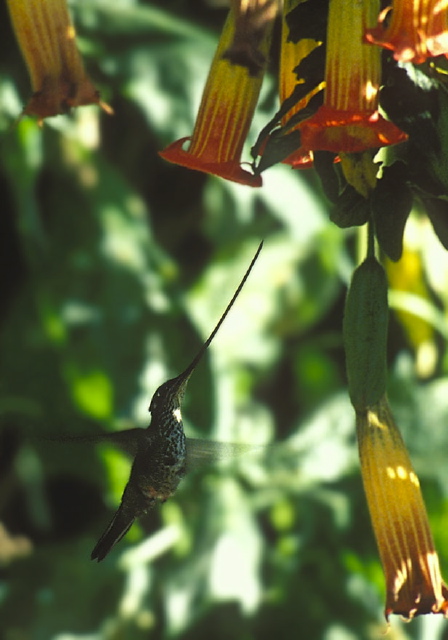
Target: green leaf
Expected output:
[391,203]
[351,209]
[437,210]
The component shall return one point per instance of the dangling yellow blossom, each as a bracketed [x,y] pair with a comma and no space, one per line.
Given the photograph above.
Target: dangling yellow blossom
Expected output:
[46,37]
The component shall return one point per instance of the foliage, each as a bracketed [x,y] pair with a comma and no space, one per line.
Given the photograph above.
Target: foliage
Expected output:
[115,267]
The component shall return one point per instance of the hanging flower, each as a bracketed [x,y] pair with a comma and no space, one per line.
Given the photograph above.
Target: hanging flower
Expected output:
[414,584]
[46,37]
[230,96]
[418,30]
[291,54]
[349,120]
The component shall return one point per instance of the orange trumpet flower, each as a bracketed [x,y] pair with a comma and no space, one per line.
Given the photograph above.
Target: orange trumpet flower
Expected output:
[349,120]
[230,97]
[418,30]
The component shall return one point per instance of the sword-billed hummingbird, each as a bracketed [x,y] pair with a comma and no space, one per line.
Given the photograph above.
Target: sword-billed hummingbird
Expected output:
[160,450]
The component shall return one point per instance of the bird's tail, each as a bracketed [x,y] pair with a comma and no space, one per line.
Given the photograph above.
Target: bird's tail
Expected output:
[118,527]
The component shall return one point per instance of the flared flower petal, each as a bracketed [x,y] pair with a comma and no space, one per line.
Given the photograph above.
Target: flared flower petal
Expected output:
[349,131]
[227,107]
[46,37]
[349,120]
[414,584]
[417,30]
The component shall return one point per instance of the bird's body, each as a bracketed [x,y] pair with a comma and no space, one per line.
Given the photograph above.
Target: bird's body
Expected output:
[160,450]
[159,464]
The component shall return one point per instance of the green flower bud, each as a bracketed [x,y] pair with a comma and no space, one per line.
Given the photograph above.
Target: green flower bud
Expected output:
[365,334]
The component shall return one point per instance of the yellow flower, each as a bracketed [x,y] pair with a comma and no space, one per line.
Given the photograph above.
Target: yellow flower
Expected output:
[46,37]
[291,54]
[349,119]
[230,96]
[410,562]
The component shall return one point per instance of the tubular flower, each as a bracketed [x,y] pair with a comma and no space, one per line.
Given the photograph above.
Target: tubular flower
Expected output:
[230,97]
[349,120]
[46,37]
[418,30]
[291,54]
[414,584]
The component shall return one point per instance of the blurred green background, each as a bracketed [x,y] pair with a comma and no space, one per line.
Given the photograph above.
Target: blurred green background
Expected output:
[114,268]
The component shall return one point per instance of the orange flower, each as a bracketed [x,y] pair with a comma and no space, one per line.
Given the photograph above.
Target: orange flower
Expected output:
[349,119]
[418,30]
[46,38]
[414,584]
[228,102]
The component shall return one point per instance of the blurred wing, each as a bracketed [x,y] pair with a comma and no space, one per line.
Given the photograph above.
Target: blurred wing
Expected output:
[128,440]
[203,452]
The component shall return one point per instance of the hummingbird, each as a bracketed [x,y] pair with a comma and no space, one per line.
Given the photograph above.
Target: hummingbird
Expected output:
[160,451]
